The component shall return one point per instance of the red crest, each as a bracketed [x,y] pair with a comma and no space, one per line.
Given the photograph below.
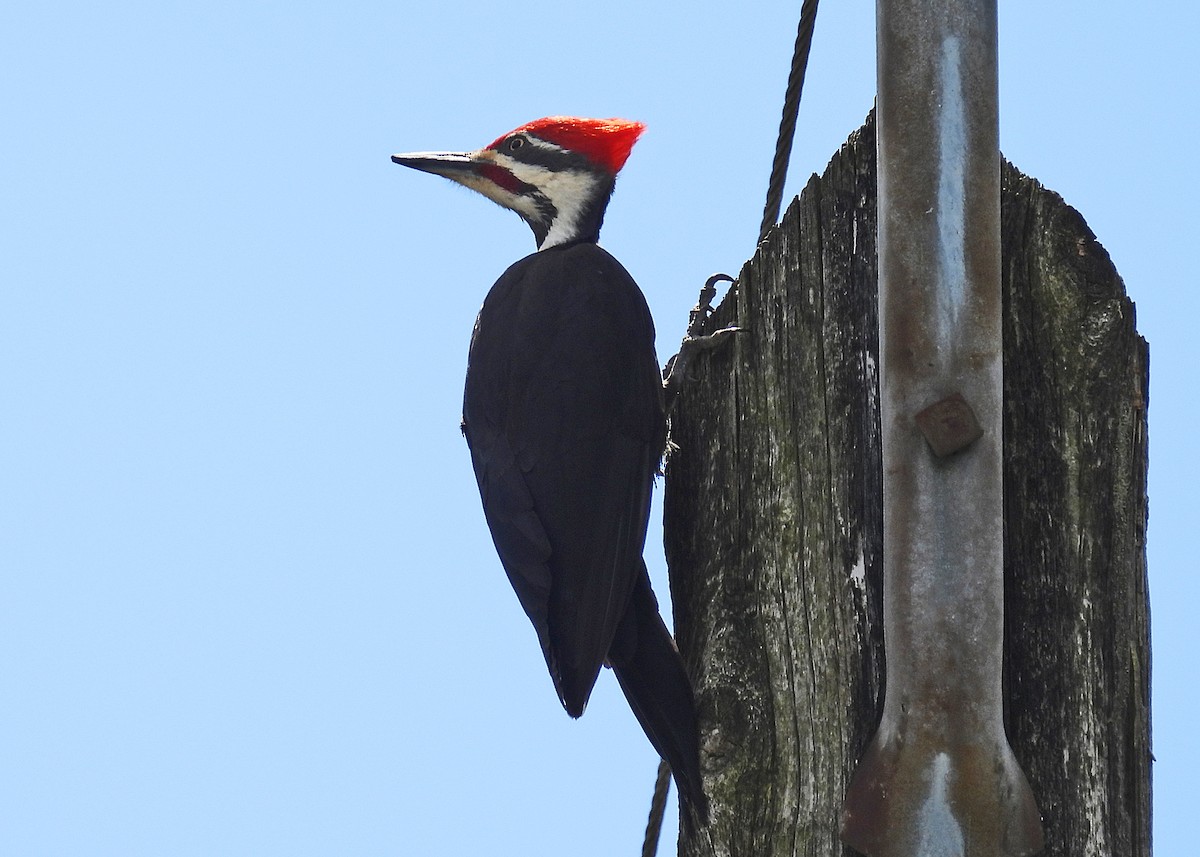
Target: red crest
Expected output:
[606,142]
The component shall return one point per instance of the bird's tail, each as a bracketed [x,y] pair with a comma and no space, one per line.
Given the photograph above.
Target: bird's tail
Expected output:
[652,675]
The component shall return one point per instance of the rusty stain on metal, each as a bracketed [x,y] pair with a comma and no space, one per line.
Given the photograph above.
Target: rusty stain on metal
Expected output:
[939,778]
[949,425]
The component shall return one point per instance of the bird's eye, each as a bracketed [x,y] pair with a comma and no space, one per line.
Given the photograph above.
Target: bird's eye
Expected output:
[516,143]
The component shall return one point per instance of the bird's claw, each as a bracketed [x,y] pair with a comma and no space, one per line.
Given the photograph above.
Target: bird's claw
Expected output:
[675,372]
[704,308]
[708,340]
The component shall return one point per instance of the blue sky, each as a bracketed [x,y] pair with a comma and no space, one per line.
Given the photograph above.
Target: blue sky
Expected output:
[249,605]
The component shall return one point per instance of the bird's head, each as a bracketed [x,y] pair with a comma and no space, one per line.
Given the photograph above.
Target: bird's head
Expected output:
[557,173]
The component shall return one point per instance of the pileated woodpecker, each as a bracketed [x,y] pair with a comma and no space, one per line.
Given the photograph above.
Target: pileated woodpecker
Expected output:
[564,417]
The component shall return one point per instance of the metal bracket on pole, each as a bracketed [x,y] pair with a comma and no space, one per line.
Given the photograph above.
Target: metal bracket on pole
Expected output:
[939,777]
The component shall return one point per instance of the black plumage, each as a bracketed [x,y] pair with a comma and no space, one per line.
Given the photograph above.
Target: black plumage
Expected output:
[563,413]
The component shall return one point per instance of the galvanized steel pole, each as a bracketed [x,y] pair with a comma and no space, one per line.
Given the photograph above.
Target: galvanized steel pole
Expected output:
[939,777]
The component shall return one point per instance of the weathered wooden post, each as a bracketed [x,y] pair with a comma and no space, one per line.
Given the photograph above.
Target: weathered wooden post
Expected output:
[939,777]
[774,534]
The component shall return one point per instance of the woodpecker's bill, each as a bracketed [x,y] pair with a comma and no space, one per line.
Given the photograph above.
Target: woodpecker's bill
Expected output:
[564,417]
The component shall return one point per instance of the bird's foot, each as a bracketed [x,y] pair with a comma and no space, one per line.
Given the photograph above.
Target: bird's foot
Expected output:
[695,340]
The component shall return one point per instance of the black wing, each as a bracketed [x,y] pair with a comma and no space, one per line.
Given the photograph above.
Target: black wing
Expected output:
[563,414]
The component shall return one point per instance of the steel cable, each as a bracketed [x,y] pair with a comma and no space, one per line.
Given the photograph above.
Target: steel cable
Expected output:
[787,124]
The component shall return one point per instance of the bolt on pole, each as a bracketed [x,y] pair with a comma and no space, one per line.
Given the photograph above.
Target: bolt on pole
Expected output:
[939,777]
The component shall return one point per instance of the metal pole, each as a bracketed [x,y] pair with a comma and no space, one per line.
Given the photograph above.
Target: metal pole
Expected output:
[939,777]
